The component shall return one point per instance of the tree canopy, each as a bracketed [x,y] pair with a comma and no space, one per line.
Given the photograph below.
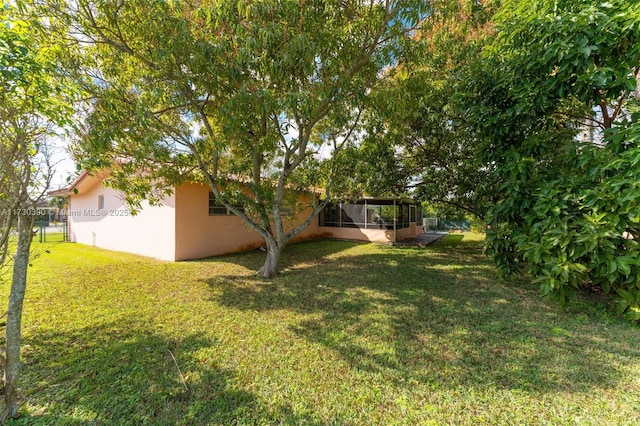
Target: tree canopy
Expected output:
[240,95]
[568,211]
[525,115]
[419,117]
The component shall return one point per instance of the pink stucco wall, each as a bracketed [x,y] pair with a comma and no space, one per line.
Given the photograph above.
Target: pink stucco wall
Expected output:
[181,228]
[405,233]
[199,235]
[372,235]
[150,233]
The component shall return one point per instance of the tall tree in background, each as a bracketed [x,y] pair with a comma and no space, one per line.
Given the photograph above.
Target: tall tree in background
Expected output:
[31,107]
[419,118]
[238,94]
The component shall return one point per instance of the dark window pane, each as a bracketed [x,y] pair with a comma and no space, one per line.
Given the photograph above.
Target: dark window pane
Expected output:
[217,209]
[382,215]
[329,215]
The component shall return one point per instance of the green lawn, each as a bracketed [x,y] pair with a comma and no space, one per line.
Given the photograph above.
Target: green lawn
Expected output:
[347,334]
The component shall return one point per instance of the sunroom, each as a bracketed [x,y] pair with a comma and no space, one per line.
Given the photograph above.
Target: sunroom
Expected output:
[372,219]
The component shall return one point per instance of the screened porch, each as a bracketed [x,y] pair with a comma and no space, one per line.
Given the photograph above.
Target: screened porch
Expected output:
[397,217]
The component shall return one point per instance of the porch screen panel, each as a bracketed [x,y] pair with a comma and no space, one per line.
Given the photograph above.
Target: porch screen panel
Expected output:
[353,215]
[388,215]
[374,217]
[403,218]
[330,215]
[381,214]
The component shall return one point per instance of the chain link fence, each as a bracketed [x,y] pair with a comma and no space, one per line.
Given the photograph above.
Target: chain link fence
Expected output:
[50,232]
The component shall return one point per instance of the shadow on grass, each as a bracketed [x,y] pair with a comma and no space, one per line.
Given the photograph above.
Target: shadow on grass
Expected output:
[305,253]
[102,375]
[436,316]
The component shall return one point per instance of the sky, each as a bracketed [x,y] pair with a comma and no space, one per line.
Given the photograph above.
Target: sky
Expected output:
[63,164]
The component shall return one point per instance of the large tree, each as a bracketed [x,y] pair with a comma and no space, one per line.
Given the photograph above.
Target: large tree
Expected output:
[569,208]
[239,94]
[32,106]
[487,118]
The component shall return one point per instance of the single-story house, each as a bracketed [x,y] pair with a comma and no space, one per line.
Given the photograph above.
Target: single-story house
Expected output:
[190,225]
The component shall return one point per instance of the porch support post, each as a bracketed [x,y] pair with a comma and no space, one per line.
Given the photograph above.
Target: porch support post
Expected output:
[365,214]
[395,222]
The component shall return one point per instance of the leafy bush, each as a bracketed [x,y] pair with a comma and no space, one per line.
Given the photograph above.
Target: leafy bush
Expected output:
[582,229]
[568,211]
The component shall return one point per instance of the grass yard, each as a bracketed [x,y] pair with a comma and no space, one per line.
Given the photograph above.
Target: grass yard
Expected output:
[348,333]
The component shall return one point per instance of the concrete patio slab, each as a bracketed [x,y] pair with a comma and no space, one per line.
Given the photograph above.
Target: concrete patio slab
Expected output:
[421,240]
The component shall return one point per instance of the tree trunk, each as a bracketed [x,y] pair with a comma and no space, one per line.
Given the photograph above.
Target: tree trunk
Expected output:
[9,392]
[270,267]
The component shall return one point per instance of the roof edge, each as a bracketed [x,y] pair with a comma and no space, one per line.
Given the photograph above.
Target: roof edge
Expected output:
[64,192]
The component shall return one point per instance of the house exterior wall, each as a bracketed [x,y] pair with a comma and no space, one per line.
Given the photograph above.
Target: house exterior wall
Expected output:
[150,233]
[415,229]
[181,228]
[372,235]
[358,234]
[410,232]
[199,235]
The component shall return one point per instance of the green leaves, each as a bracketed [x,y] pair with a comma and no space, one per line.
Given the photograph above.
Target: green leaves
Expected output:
[30,79]
[419,110]
[229,90]
[577,233]
[568,212]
